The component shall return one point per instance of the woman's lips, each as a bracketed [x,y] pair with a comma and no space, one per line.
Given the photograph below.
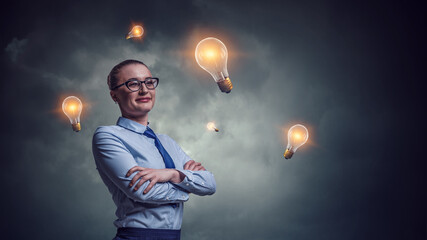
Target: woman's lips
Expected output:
[143,99]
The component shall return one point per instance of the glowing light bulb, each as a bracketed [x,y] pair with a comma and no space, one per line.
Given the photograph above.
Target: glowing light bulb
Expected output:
[297,136]
[211,126]
[72,107]
[211,55]
[136,31]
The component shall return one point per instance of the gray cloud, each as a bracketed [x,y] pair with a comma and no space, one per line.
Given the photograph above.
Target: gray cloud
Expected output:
[307,63]
[15,47]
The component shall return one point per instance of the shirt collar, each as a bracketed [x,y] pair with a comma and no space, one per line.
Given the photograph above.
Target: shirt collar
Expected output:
[131,125]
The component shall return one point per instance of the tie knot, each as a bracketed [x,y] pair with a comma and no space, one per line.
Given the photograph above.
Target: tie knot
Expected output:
[149,133]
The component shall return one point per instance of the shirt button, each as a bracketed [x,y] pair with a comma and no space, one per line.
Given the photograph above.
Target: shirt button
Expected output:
[187,184]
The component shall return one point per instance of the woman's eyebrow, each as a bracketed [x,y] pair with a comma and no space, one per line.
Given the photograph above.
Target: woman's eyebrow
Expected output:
[132,79]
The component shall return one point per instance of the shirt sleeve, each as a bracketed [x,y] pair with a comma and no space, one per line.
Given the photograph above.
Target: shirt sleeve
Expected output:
[198,182]
[115,160]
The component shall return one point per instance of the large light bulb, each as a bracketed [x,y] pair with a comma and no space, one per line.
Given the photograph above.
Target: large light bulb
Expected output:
[297,136]
[72,107]
[136,31]
[211,54]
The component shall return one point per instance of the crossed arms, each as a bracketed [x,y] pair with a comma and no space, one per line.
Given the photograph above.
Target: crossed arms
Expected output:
[158,186]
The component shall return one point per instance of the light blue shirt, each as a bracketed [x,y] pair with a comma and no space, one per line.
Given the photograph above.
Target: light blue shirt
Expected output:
[120,147]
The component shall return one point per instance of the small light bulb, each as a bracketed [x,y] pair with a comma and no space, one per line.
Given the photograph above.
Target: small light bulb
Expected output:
[211,126]
[72,107]
[297,136]
[211,55]
[136,31]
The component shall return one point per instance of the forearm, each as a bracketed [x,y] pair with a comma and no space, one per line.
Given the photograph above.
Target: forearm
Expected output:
[160,193]
[164,192]
[198,182]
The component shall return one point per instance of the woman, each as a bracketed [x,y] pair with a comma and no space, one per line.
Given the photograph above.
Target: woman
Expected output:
[149,176]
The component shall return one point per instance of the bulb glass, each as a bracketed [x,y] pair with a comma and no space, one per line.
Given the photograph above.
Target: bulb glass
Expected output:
[72,107]
[297,136]
[211,55]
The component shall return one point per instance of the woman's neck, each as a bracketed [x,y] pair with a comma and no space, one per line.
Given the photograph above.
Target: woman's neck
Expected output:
[143,119]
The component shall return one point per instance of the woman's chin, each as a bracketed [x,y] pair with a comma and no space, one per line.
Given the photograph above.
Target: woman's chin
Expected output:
[143,107]
[143,110]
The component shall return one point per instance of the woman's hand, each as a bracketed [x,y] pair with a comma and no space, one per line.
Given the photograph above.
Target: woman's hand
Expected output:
[160,175]
[154,176]
[194,166]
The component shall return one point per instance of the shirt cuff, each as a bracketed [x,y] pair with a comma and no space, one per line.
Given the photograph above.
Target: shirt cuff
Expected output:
[197,182]
[188,180]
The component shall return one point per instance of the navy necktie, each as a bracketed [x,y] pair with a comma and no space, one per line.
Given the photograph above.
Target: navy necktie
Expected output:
[166,158]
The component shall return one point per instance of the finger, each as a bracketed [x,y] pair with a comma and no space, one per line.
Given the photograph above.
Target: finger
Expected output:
[137,176]
[202,168]
[151,185]
[191,166]
[134,169]
[199,168]
[194,165]
[143,180]
[187,164]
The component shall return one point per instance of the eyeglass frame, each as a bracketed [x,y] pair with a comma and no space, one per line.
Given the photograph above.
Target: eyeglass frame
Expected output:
[142,82]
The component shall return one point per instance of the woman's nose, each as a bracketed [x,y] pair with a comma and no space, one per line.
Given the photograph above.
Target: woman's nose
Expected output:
[143,89]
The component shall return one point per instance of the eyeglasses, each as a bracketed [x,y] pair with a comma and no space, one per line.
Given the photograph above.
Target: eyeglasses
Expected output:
[135,85]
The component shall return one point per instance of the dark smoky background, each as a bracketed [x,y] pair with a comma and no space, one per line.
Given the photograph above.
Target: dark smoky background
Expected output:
[350,71]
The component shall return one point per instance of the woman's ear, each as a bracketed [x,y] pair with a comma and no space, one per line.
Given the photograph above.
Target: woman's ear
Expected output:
[113,96]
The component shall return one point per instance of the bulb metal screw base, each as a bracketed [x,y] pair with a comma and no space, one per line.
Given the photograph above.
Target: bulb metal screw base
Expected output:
[76,127]
[288,154]
[225,85]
